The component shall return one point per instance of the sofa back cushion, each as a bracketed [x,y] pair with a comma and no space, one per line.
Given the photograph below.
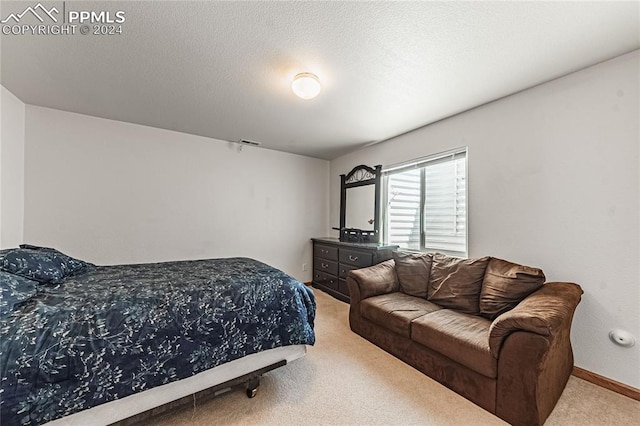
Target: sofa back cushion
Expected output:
[413,271]
[456,283]
[505,285]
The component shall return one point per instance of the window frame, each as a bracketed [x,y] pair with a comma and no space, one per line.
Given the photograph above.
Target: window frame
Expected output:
[422,163]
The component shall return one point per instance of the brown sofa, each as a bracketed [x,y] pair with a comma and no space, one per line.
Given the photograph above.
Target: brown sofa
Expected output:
[511,359]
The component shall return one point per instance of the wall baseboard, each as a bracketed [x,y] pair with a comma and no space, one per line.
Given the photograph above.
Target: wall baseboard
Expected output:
[607,383]
[308,284]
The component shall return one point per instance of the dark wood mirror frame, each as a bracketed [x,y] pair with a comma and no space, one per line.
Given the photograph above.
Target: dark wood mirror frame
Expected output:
[360,176]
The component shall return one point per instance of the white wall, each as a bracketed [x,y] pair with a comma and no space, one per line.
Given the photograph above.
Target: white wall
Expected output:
[553,182]
[12,140]
[112,192]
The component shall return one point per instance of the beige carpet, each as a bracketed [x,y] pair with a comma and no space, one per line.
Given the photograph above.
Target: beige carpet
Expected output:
[345,380]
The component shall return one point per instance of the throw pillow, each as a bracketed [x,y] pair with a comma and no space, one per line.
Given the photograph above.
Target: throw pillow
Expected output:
[456,283]
[505,285]
[413,272]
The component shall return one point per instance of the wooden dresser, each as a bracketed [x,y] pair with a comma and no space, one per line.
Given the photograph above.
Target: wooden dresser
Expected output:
[333,259]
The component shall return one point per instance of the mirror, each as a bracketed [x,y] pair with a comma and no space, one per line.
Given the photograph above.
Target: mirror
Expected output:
[360,211]
[359,205]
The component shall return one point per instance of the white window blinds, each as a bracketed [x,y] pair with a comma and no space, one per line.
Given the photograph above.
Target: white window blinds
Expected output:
[426,204]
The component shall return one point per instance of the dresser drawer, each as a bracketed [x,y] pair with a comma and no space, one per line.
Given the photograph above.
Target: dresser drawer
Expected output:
[325,266]
[319,277]
[356,258]
[326,280]
[332,282]
[325,252]
[344,270]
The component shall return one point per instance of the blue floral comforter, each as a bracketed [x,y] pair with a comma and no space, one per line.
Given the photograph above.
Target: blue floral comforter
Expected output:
[116,330]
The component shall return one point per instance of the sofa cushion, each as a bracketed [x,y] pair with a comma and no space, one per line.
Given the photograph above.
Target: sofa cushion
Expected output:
[505,285]
[462,337]
[413,272]
[395,311]
[456,283]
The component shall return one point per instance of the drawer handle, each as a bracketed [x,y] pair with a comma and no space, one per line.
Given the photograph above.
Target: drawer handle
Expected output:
[324,265]
[353,258]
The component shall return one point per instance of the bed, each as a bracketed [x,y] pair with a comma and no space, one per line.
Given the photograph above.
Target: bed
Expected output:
[98,344]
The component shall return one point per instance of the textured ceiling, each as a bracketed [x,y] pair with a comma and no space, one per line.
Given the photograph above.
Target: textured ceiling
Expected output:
[223,69]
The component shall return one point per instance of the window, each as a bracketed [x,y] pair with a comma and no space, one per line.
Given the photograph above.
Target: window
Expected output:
[426,204]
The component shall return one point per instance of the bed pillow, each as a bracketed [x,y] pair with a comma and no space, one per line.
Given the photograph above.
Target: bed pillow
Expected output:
[14,290]
[413,272]
[75,265]
[456,283]
[505,285]
[42,264]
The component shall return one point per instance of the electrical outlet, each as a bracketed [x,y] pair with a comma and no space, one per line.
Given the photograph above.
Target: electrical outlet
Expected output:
[305,267]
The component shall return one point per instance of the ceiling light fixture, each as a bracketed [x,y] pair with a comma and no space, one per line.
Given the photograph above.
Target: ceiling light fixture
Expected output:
[306,85]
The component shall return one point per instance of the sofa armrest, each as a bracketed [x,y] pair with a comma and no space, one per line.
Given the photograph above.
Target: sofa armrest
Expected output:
[544,312]
[372,281]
